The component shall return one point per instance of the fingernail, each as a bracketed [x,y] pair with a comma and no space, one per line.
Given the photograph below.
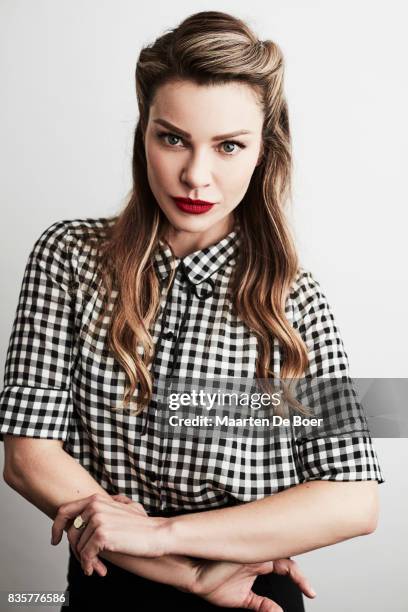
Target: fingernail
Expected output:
[313,592]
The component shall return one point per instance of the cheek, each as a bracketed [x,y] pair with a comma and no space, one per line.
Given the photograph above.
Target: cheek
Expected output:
[238,177]
[162,168]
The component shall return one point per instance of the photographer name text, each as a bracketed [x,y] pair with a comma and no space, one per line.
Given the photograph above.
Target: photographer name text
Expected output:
[274,421]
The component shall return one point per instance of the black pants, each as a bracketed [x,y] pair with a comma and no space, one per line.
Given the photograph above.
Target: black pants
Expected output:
[140,594]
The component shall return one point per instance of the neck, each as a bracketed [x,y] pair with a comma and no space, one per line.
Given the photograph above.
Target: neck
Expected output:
[184,243]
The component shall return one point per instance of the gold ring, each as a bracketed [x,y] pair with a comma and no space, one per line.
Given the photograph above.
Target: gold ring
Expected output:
[79,522]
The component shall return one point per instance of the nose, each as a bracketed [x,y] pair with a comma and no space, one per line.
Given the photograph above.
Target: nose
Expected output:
[196,172]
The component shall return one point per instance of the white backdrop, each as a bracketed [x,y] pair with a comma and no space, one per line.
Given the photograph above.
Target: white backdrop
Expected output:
[67,115]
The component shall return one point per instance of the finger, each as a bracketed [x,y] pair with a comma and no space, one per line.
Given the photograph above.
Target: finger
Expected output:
[261,604]
[263,567]
[122,498]
[73,538]
[85,535]
[64,514]
[95,564]
[139,508]
[126,500]
[92,548]
[99,567]
[290,568]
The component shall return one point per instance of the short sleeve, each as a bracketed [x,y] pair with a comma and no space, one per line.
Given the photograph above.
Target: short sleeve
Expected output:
[349,454]
[36,398]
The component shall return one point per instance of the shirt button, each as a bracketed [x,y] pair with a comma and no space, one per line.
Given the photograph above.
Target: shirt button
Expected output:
[152,477]
[168,335]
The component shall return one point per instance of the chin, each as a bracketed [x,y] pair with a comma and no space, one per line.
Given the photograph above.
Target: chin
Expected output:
[188,222]
[191,225]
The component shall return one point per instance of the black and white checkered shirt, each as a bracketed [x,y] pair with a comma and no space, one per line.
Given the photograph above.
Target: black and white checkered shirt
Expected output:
[61,382]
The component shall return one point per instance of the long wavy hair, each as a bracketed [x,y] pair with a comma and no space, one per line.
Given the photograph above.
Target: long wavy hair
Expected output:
[207,48]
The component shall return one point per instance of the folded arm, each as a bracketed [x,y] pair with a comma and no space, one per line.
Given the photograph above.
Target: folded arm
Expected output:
[297,520]
[42,472]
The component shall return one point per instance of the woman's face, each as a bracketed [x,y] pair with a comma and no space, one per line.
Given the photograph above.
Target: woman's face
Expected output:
[196,148]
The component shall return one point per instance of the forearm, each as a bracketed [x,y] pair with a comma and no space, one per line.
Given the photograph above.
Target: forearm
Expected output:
[52,478]
[49,478]
[176,570]
[300,519]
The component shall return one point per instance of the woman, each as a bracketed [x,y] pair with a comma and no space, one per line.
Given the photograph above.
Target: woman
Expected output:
[197,277]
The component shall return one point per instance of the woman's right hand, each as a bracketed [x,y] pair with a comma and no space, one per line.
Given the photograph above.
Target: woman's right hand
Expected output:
[74,534]
[229,585]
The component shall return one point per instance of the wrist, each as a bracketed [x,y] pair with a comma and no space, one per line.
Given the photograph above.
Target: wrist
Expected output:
[164,535]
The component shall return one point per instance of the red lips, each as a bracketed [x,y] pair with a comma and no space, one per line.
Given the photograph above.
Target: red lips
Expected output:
[194,207]
[190,201]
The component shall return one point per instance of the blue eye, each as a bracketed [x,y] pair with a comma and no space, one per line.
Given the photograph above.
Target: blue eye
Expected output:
[173,140]
[164,135]
[230,143]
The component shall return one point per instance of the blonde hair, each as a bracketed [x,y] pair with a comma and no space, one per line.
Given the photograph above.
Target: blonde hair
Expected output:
[208,48]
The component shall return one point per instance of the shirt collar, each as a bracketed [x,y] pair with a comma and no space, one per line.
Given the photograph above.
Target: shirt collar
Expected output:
[200,264]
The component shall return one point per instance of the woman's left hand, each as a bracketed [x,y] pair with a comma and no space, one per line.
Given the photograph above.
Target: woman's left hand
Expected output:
[112,526]
[229,585]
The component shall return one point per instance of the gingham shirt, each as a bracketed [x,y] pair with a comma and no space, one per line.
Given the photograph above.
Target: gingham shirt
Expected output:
[61,382]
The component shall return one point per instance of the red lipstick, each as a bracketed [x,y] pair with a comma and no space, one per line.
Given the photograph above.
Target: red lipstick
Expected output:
[195,207]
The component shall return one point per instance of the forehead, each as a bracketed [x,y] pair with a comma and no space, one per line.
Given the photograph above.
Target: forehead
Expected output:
[208,109]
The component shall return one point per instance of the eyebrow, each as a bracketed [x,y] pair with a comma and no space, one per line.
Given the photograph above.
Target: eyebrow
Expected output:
[170,126]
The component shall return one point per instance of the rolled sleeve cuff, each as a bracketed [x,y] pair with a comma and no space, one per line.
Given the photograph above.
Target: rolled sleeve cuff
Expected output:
[339,458]
[35,412]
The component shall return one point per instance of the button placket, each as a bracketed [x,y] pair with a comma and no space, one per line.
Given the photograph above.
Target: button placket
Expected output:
[202,290]
[201,294]
[157,479]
